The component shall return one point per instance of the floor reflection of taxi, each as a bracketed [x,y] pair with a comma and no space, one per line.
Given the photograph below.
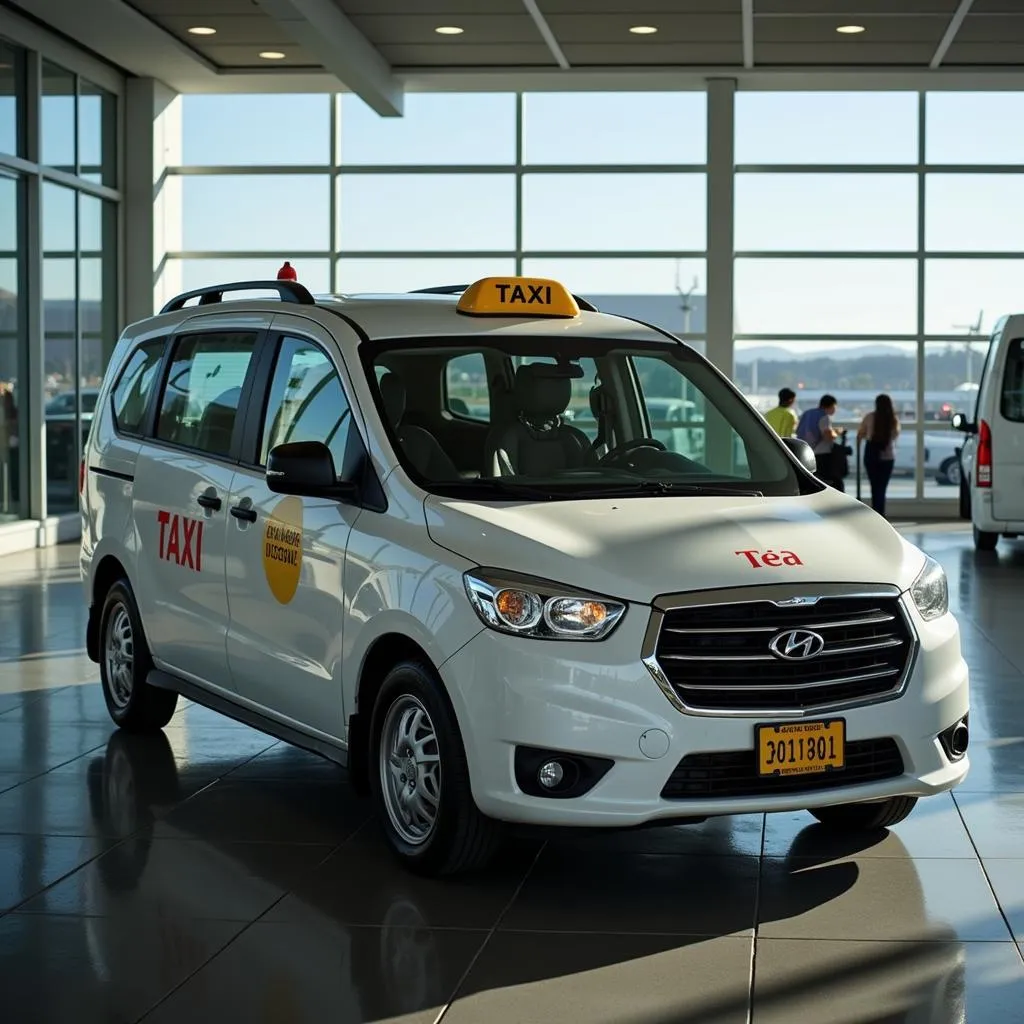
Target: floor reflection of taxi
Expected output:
[288,516]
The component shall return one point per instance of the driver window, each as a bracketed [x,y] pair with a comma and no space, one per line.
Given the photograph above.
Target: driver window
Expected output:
[307,402]
[686,422]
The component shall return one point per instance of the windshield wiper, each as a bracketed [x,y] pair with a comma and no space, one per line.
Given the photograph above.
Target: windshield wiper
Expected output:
[664,487]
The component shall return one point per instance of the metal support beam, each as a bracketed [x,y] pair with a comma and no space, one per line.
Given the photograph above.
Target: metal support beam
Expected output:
[545,30]
[950,34]
[321,29]
[748,33]
[721,116]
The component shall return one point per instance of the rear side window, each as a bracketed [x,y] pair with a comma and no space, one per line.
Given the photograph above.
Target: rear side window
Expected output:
[135,386]
[466,393]
[1012,400]
[199,405]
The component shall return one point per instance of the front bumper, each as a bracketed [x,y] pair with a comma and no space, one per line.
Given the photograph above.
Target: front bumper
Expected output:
[598,699]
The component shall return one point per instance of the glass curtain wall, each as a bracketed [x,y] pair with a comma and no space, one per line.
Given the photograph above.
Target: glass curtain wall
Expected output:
[875,233]
[58,156]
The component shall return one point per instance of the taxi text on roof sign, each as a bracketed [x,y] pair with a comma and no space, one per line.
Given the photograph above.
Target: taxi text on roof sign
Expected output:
[518,296]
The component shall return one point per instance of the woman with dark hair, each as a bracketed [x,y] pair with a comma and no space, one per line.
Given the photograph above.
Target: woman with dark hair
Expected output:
[879,430]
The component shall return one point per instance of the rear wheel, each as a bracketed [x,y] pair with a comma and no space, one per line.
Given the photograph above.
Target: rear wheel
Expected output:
[124,664]
[866,817]
[949,472]
[985,541]
[965,500]
[420,778]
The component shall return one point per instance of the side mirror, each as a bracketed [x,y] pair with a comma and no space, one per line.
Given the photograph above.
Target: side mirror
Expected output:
[962,423]
[804,453]
[306,468]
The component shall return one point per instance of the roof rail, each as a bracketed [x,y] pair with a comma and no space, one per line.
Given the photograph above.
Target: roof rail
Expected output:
[458,289]
[290,291]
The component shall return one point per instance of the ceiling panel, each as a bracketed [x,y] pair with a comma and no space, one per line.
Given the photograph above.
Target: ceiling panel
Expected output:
[644,10]
[878,30]
[479,29]
[241,28]
[194,8]
[441,10]
[517,55]
[836,54]
[997,7]
[998,28]
[847,10]
[1002,54]
[231,56]
[660,54]
[672,28]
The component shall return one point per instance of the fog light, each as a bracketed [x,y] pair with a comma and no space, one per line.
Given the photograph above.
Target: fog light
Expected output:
[550,774]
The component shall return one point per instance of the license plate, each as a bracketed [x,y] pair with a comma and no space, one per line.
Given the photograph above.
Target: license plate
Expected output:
[801,748]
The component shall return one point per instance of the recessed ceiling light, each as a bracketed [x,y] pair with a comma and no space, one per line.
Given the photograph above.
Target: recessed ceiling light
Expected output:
[643,30]
[850,30]
[272,55]
[449,30]
[202,30]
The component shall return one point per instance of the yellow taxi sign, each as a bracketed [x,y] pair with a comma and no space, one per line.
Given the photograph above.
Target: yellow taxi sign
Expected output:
[518,296]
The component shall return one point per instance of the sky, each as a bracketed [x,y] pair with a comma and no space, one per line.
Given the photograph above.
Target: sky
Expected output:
[615,214]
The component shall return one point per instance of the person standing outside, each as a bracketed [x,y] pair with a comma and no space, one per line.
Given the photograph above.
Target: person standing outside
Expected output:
[783,418]
[879,430]
[815,427]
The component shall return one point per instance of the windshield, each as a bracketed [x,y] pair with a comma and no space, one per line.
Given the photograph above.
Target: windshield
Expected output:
[502,417]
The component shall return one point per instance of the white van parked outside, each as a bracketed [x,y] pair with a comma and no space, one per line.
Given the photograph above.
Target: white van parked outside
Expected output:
[992,458]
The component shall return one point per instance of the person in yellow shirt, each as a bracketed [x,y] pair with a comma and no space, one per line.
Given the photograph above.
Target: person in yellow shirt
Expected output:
[783,418]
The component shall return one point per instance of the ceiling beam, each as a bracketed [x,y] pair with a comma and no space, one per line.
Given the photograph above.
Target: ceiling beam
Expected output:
[545,30]
[748,33]
[325,33]
[950,34]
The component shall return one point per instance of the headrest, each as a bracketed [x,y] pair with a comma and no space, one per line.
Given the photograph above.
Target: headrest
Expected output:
[392,391]
[541,392]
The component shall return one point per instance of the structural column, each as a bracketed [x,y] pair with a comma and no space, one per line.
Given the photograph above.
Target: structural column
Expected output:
[151,208]
[721,162]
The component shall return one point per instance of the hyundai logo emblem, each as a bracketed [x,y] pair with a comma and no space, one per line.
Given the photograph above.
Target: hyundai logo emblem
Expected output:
[797,644]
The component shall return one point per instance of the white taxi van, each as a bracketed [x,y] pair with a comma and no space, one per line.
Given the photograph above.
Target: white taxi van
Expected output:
[367,525]
[992,458]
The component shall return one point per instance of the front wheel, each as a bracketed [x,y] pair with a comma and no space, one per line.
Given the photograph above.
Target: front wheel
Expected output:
[124,664]
[420,778]
[985,541]
[866,817]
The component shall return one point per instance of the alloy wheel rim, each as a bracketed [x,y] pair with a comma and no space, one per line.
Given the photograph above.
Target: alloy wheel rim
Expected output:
[410,770]
[119,656]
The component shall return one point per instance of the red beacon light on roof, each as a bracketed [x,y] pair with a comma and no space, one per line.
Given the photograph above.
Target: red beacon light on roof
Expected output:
[287,273]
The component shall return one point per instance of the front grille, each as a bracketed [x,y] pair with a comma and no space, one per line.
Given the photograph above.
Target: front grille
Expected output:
[718,657]
[734,773]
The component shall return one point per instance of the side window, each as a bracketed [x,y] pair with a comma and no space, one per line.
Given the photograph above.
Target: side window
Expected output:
[135,385]
[1011,403]
[466,391]
[307,403]
[199,404]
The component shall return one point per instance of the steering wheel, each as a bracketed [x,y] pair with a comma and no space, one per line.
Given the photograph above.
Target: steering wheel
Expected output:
[628,446]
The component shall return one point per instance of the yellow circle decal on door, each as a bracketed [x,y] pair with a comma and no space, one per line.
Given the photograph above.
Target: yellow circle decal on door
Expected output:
[282,548]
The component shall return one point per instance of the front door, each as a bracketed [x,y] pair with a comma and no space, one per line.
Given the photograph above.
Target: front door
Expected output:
[286,554]
[180,505]
[1008,439]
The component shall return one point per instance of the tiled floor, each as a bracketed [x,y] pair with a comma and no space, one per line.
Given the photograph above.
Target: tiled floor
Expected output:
[211,874]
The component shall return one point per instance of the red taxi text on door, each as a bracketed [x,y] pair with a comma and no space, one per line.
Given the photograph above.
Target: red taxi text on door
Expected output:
[181,540]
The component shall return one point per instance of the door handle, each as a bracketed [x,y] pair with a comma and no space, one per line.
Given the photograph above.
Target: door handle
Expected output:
[244,512]
[210,501]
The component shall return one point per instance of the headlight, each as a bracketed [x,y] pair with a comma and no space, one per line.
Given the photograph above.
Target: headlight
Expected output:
[534,608]
[931,591]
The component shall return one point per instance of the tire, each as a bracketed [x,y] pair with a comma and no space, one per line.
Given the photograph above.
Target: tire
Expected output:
[125,661]
[866,817]
[985,541]
[949,472]
[446,834]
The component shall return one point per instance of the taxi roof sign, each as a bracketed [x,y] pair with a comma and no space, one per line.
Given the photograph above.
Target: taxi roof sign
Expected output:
[518,296]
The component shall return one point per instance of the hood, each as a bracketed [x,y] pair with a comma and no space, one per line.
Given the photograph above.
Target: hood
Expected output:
[639,548]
